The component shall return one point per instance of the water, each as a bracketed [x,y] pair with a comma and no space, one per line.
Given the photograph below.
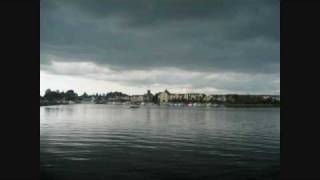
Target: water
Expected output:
[115,142]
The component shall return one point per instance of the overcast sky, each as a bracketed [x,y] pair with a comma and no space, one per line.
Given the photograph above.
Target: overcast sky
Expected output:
[209,46]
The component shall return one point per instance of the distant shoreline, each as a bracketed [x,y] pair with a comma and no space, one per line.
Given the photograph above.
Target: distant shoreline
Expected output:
[252,105]
[52,104]
[200,106]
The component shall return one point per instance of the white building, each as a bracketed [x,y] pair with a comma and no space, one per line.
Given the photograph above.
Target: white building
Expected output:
[173,97]
[164,96]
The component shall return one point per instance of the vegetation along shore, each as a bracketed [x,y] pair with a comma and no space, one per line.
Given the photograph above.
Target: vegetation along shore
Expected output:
[162,98]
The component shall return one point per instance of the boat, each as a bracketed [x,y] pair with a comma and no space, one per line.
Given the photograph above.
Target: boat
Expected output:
[134,106]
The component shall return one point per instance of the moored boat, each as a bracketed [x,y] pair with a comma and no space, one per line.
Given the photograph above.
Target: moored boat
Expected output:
[134,106]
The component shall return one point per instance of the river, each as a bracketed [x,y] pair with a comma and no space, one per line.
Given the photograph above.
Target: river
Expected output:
[91,141]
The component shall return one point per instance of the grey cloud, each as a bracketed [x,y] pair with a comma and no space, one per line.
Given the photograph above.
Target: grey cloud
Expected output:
[240,36]
[228,82]
[199,37]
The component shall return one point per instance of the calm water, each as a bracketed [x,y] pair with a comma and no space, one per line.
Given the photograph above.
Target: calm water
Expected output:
[115,142]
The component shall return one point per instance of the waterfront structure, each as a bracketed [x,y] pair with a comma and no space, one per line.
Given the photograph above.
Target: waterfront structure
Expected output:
[176,97]
[148,97]
[194,97]
[164,96]
[161,97]
[136,98]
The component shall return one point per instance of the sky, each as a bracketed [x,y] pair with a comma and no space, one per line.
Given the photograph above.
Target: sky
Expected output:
[204,46]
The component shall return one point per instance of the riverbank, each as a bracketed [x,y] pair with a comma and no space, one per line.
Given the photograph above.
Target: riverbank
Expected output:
[252,105]
[180,105]
[51,103]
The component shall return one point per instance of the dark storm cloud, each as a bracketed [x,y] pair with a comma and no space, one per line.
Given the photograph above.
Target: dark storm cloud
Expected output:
[198,35]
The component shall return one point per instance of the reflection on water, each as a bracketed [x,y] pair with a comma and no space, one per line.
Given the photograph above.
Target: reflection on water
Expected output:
[116,142]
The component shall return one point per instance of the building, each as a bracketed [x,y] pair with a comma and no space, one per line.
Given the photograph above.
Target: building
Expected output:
[136,98]
[164,96]
[194,97]
[176,97]
[148,97]
[197,97]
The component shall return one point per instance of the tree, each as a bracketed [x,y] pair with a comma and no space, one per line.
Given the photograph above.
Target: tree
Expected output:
[52,95]
[155,98]
[84,95]
[70,95]
[48,91]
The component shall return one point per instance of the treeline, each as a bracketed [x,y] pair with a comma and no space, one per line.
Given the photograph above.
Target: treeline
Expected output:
[69,95]
[229,99]
[249,99]
[61,97]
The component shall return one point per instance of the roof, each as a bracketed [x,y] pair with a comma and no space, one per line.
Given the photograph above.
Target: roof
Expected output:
[166,91]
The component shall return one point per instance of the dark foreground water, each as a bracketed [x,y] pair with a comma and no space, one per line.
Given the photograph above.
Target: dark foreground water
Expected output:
[115,142]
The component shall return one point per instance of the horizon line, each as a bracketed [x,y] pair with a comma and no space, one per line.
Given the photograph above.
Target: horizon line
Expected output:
[92,94]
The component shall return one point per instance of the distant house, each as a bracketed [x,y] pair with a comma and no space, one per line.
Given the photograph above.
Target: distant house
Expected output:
[136,98]
[164,96]
[148,96]
[176,97]
[196,97]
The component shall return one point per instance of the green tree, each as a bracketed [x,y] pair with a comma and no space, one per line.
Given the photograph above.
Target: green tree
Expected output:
[70,95]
